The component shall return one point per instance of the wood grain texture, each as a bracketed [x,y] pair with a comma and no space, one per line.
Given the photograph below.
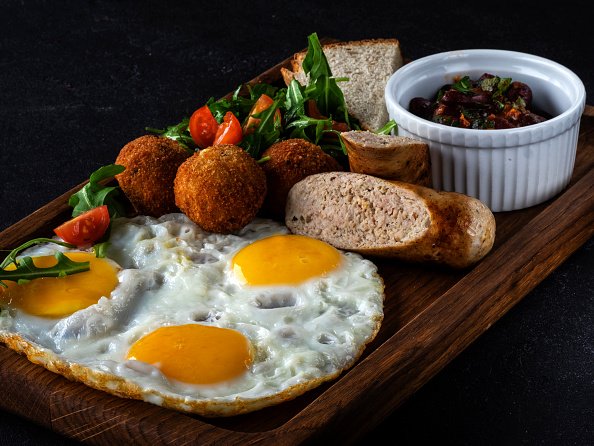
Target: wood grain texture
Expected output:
[431,315]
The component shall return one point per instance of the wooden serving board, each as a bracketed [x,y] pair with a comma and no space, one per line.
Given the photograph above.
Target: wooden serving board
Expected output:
[431,315]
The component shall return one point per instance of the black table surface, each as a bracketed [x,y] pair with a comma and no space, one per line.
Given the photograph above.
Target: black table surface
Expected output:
[79,79]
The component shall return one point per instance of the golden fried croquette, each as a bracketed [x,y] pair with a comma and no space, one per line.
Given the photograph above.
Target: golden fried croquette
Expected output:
[221,188]
[151,163]
[291,161]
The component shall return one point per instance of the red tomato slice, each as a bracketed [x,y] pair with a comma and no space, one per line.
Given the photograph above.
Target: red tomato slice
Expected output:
[203,127]
[86,228]
[314,112]
[263,102]
[229,131]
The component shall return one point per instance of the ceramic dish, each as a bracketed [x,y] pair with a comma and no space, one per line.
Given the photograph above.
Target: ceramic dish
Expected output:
[507,169]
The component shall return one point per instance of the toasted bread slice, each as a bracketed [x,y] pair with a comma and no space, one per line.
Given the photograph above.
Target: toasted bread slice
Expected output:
[368,64]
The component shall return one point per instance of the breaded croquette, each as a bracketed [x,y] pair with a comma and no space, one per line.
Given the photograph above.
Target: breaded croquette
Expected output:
[151,164]
[221,188]
[291,161]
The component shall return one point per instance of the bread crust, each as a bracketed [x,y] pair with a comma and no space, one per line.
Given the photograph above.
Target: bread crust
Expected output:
[390,157]
[297,59]
[373,216]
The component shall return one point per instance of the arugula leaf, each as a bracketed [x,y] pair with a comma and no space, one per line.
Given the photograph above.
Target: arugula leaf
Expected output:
[311,129]
[178,132]
[239,106]
[388,127]
[24,269]
[294,101]
[101,249]
[337,151]
[322,86]
[94,194]
[258,90]
[11,257]
[268,130]
[27,271]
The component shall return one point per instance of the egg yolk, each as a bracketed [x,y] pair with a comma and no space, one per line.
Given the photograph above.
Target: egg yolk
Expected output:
[54,297]
[284,259]
[194,353]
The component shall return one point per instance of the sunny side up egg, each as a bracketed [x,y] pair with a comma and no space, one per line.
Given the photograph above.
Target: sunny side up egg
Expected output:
[206,323]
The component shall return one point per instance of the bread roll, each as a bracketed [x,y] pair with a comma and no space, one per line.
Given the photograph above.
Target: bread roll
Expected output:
[389,156]
[372,216]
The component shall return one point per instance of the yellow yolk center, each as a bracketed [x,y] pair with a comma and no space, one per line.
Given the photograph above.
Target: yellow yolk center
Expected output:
[54,297]
[284,259]
[194,353]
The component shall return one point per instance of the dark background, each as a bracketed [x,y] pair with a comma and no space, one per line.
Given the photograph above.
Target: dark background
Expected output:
[79,79]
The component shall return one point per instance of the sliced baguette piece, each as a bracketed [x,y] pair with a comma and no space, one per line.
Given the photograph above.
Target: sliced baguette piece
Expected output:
[368,64]
[373,216]
[390,157]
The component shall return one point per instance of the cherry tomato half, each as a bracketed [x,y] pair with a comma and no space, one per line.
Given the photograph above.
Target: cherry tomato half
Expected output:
[203,127]
[314,112]
[229,131]
[86,228]
[263,102]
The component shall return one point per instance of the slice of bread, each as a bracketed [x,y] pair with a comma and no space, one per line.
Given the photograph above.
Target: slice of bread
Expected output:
[368,64]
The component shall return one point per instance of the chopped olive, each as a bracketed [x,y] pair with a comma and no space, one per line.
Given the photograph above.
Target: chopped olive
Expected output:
[489,102]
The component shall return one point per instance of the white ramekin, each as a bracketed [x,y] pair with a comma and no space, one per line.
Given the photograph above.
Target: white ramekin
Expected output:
[507,169]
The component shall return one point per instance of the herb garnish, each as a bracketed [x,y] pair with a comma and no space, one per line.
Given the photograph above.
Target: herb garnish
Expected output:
[25,270]
[95,194]
[463,85]
[178,132]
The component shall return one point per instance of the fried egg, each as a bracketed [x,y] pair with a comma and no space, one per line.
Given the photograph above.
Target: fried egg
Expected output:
[212,324]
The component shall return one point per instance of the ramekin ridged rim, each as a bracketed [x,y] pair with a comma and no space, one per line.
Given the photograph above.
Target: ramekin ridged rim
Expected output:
[497,138]
[507,169]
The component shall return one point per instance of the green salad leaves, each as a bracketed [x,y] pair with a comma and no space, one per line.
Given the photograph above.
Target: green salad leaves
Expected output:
[95,194]
[316,112]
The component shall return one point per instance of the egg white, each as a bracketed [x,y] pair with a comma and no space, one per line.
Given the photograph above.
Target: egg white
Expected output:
[174,273]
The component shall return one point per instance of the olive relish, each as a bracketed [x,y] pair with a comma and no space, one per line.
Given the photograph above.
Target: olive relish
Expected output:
[490,102]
